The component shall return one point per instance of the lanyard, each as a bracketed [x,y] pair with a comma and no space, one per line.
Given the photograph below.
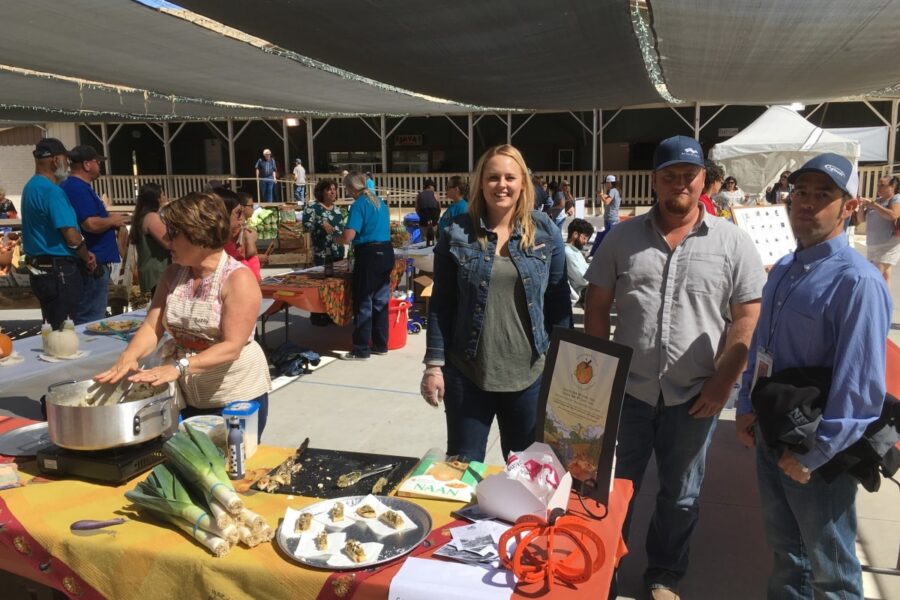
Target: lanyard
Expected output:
[775,316]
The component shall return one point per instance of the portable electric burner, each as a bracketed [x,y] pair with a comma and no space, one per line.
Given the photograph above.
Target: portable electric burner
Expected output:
[114,465]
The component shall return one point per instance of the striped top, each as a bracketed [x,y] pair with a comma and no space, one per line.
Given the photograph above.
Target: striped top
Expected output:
[193,318]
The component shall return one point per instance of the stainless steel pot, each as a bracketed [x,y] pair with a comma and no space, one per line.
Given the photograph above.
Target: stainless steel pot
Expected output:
[105,423]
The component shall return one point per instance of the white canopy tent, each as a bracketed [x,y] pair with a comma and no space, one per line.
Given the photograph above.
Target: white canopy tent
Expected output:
[779,140]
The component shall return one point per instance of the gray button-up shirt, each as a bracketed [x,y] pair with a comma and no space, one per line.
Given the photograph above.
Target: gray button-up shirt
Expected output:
[674,306]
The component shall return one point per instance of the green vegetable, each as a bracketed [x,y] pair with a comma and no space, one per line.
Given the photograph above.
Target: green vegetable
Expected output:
[164,496]
[202,467]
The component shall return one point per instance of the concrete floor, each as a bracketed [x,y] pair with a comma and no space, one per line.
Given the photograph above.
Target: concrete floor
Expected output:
[374,406]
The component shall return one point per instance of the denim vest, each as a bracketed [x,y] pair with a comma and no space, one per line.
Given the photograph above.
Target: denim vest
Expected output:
[462,276]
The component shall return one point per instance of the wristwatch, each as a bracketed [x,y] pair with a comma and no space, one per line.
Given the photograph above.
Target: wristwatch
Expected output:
[182,365]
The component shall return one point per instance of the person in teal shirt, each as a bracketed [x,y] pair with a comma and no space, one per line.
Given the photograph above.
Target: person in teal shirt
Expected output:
[457,190]
[369,230]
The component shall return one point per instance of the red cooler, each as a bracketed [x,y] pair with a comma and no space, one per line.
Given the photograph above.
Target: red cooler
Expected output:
[398,313]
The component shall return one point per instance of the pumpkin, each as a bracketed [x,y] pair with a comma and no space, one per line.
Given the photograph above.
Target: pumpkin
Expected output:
[5,344]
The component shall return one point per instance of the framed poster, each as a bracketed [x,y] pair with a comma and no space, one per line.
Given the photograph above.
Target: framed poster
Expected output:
[769,229]
[579,406]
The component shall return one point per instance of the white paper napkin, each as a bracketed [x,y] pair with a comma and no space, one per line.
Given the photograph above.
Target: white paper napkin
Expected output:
[307,546]
[372,550]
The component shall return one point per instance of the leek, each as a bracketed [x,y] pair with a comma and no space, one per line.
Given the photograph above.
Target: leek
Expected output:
[203,468]
[163,495]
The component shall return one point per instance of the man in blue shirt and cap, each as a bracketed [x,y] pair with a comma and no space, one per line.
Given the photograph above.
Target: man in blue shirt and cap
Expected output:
[55,251]
[100,228]
[823,306]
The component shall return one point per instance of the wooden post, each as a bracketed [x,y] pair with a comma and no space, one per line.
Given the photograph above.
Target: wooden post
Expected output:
[104,139]
[288,184]
[593,186]
[892,138]
[697,121]
[509,128]
[167,148]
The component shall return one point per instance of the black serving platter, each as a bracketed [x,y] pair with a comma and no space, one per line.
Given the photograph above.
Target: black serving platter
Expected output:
[321,469]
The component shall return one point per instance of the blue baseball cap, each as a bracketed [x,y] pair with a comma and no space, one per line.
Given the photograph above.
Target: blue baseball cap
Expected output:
[678,149]
[836,167]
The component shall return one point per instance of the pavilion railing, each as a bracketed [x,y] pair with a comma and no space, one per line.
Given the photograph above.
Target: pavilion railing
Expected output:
[400,189]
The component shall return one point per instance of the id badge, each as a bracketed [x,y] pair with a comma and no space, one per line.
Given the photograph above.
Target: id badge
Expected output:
[764,364]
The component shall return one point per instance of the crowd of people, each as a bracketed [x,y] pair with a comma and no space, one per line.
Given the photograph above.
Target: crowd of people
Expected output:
[688,288]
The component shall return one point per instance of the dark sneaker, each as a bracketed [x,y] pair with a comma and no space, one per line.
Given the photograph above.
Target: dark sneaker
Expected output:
[353,356]
[379,352]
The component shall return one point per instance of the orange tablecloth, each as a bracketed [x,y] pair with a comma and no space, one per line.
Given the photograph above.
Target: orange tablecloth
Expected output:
[315,293]
[145,560]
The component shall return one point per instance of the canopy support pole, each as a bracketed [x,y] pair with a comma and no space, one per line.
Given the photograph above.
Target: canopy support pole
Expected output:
[383,136]
[892,140]
[594,135]
[167,148]
[104,139]
[697,121]
[600,149]
[232,163]
[288,184]
[309,146]
[509,131]
[471,144]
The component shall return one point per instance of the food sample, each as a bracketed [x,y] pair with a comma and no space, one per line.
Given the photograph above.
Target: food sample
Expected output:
[322,541]
[303,523]
[392,518]
[379,485]
[366,511]
[336,513]
[355,551]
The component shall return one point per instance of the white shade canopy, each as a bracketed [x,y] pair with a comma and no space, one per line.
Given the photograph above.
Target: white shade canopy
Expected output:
[779,140]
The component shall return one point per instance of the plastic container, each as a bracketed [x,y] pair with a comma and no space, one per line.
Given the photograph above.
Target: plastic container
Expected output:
[411,222]
[398,315]
[213,426]
[247,413]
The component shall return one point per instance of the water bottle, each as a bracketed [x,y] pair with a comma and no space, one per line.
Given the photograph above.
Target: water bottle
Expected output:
[235,458]
[45,333]
[329,265]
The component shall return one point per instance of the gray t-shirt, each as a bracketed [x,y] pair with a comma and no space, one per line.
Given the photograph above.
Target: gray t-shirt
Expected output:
[505,360]
[612,209]
[674,306]
[878,229]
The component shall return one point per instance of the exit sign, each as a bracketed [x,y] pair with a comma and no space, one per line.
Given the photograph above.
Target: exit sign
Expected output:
[728,131]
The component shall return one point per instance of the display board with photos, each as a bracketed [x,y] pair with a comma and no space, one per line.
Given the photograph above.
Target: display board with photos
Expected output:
[580,402]
[770,230]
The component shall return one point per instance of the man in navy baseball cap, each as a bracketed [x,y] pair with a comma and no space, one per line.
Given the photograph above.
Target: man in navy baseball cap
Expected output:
[835,167]
[677,149]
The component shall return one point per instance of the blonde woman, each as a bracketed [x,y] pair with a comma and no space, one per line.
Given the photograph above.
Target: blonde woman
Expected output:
[499,288]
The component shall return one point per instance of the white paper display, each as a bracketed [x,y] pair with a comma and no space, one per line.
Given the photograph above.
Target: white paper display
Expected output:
[769,229]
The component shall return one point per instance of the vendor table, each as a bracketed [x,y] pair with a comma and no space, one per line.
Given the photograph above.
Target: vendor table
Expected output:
[312,291]
[143,559]
[30,377]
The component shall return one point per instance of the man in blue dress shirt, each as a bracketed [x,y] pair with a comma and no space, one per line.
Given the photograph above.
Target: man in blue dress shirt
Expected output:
[823,306]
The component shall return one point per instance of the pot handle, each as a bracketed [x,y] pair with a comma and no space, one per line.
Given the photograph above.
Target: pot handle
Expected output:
[141,410]
[59,383]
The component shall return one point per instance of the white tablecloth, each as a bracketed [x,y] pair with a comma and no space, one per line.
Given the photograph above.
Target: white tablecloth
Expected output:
[29,379]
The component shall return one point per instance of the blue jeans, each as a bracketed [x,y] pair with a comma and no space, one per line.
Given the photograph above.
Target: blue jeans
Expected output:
[371,296]
[680,442]
[262,416]
[607,226]
[470,412]
[267,189]
[94,295]
[58,291]
[811,531]
[300,192]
